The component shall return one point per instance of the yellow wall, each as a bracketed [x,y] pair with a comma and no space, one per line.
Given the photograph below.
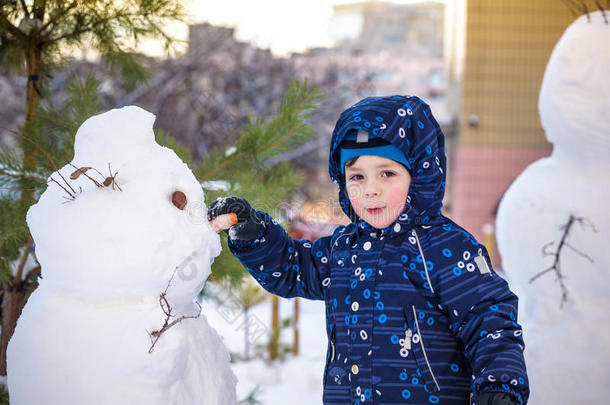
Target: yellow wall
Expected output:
[508,44]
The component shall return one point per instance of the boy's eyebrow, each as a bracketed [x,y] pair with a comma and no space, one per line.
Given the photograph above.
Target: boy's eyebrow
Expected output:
[382,165]
[379,166]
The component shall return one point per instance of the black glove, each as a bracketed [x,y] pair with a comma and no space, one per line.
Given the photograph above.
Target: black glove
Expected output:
[496,398]
[248,222]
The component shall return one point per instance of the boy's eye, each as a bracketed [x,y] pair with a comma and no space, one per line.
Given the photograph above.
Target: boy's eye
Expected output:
[387,173]
[355,177]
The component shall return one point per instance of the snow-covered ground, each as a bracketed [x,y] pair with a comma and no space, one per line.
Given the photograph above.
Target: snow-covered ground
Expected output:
[279,382]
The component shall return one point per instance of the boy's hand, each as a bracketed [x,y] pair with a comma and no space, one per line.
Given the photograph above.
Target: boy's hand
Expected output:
[495,398]
[248,223]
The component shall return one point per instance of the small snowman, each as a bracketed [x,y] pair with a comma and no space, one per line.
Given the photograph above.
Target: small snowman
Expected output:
[125,247]
[553,225]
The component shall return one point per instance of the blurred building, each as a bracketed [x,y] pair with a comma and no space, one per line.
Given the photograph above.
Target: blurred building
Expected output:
[496,53]
[374,26]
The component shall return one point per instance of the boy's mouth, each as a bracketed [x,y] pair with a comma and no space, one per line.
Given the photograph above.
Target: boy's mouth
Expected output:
[374,211]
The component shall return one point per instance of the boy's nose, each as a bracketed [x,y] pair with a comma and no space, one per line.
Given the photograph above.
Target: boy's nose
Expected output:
[371,189]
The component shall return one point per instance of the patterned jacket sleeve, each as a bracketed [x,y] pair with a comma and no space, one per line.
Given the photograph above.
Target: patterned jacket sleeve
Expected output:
[483,314]
[284,266]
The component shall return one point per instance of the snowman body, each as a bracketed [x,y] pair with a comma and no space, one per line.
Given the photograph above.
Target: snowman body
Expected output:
[565,198]
[116,260]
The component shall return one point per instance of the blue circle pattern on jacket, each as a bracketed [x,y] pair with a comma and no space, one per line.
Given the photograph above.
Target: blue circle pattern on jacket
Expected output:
[414,312]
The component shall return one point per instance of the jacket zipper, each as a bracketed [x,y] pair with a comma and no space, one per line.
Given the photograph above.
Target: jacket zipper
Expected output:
[336,242]
[331,357]
[423,349]
[332,346]
[421,252]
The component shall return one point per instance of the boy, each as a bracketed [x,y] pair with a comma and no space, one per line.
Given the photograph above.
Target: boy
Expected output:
[415,313]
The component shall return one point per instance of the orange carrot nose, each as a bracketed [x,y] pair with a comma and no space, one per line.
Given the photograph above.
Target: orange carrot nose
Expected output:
[223,222]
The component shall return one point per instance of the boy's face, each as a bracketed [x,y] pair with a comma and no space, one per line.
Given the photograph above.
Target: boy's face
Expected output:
[377,188]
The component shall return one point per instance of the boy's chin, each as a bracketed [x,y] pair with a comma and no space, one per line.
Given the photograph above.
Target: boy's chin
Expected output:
[378,224]
[381,220]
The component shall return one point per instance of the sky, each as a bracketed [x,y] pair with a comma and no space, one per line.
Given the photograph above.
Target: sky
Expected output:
[284,26]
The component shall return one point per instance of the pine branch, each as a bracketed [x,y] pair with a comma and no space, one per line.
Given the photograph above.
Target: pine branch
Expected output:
[266,138]
[16,32]
[58,16]
[74,34]
[11,169]
[10,130]
[18,175]
[41,150]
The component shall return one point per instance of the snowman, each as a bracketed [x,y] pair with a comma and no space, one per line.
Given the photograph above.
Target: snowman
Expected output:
[553,225]
[125,247]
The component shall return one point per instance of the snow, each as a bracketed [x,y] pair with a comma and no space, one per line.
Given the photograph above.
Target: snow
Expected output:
[216,185]
[107,254]
[566,352]
[231,150]
[30,263]
[280,382]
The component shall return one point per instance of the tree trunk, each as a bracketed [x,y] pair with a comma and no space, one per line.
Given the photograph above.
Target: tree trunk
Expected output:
[247,333]
[15,291]
[12,304]
[275,328]
[295,347]
[32,101]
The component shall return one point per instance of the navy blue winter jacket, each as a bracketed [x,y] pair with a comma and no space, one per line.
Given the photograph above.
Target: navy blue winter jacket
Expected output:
[414,313]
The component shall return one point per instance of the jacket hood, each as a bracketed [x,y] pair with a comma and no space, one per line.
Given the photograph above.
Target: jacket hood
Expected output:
[407,123]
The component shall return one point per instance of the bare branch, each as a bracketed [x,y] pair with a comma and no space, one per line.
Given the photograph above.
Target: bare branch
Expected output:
[72,196]
[167,310]
[541,273]
[545,247]
[586,256]
[556,266]
[66,181]
[111,179]
[586,221]
[80,171]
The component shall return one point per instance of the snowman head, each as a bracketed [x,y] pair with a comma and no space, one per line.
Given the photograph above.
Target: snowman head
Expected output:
[125,238]
[574,101]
